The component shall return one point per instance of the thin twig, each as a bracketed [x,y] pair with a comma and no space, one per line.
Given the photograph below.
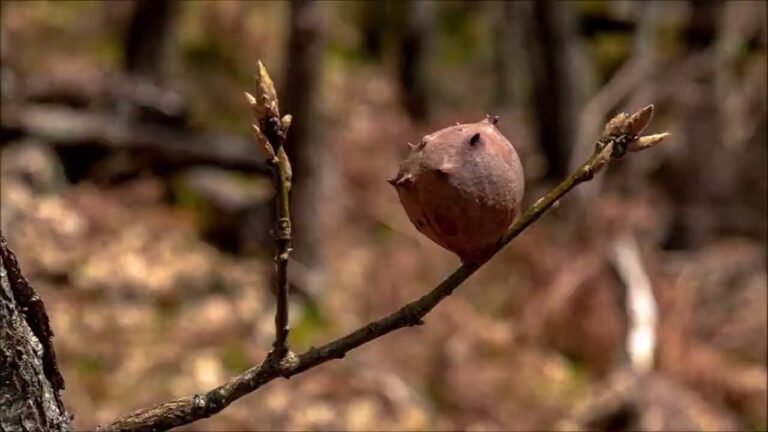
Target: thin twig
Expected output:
[281,169]
[270,131]
[620,135]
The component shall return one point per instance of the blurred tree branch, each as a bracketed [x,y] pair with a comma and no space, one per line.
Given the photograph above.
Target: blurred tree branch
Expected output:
[621,135]
[634,395]
[638,69]
[64,126]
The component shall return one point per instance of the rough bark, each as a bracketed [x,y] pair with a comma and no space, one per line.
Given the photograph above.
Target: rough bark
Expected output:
[30,382]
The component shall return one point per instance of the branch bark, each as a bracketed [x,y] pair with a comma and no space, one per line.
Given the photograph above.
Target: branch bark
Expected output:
[30,381]
[621,134]
[281,175]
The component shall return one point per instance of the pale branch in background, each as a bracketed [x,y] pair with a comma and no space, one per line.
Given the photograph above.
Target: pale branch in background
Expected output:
[639,303]
[621,135]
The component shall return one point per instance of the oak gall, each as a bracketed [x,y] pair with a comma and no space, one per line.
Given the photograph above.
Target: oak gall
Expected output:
[462,186]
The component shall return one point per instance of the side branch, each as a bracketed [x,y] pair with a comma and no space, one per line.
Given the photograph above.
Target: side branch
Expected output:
[622,134]
[281,174]
[270,131]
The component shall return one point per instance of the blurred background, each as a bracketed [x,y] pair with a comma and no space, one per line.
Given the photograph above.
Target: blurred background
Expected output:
[140,209]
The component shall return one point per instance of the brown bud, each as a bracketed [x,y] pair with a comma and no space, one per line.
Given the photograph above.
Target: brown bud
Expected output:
[462,186]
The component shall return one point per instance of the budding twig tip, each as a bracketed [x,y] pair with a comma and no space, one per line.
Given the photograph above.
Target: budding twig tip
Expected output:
[638,121]
[285,122]
[647,141]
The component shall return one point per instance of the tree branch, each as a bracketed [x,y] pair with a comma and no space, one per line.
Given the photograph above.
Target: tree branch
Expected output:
[270,131]
[620,135]
[66,127]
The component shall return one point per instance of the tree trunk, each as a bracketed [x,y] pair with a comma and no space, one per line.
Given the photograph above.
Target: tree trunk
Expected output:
[304,145]
[373,14]
[414,59]
[558,78]
[693,223]
[30,382]
[509,71]
[149,38]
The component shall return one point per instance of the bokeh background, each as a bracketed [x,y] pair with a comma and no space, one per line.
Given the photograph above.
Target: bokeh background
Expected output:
[140,209]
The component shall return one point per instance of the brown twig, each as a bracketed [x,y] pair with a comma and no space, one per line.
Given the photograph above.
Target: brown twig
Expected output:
[270,131]
[620,135]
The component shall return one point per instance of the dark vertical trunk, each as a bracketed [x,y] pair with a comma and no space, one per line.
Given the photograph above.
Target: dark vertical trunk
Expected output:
[644,47]
[149,38]
[692,223]
[372,28]
[30,381]
[631,86]
[305,145]
[508,48]
[414,59]
[557,80]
